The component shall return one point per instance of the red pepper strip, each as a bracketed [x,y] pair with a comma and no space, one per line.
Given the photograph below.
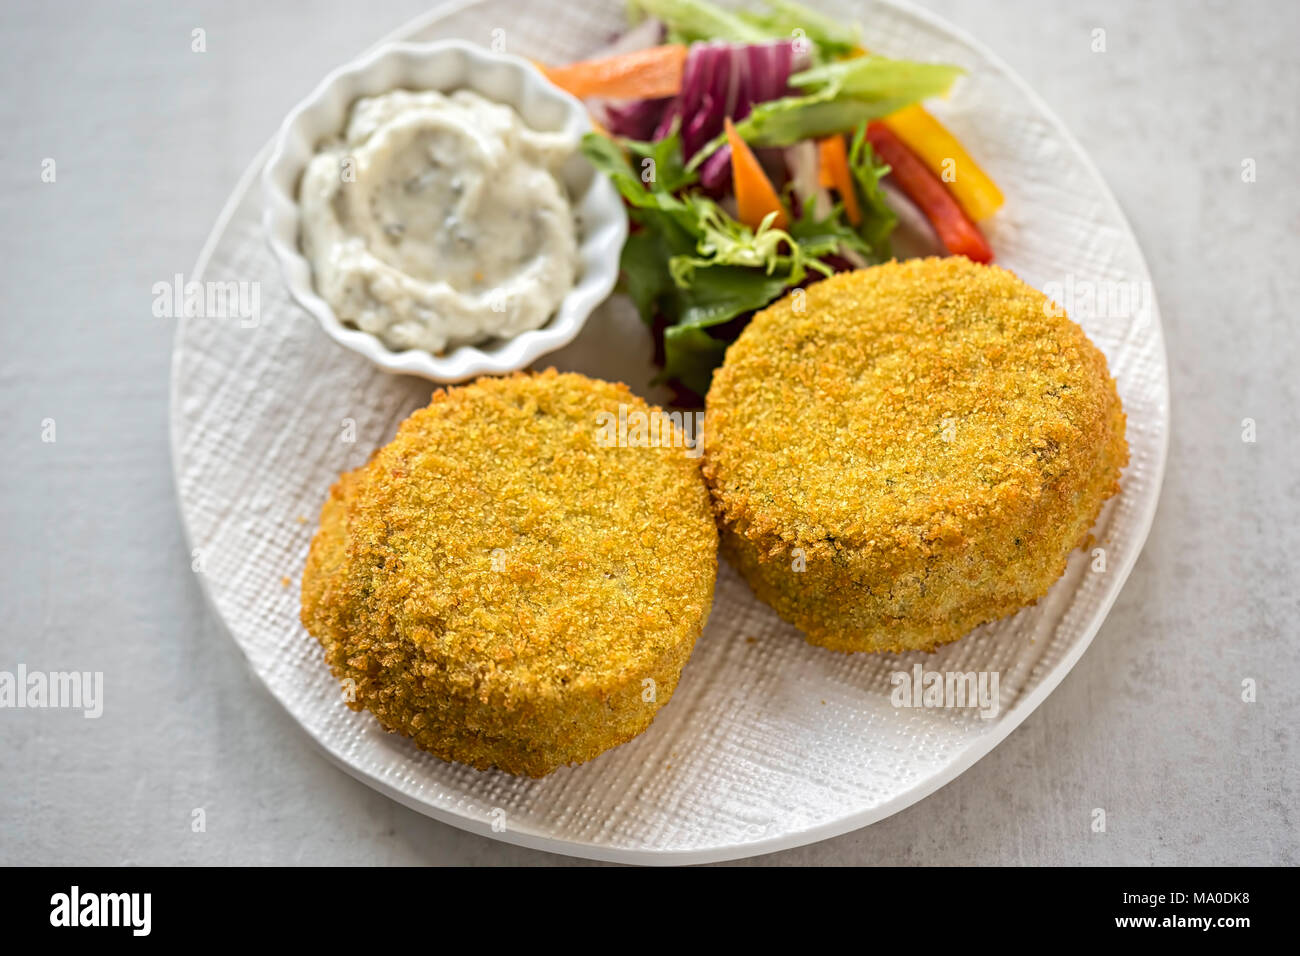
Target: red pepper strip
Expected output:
[959,235]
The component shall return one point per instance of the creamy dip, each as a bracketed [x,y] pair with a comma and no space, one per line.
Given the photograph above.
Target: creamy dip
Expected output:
[440,220]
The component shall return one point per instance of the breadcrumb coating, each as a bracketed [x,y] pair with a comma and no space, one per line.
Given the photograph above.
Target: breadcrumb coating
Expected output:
[504,588]
[908,451]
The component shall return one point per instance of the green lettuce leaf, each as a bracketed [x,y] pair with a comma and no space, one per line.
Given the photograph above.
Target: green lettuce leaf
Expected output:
[782,18]
[641,193]
[645,275]
[879,78]
[666,171]
[838,98]
[690,356]
[787,121]
[716,295]
[691,20]
[721,293]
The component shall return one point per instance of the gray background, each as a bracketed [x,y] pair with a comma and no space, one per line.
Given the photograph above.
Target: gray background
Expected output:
[150,138]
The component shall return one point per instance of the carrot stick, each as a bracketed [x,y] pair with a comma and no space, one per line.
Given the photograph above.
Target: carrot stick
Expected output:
[958,234]
[641,75]
[833,173]
[755,195]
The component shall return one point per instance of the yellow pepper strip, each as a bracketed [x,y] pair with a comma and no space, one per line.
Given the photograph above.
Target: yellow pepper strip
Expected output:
[974,191]
[977,194]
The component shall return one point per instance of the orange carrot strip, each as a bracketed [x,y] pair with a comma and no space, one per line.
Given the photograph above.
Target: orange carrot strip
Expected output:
[833,173]
[640,75]
[755,195]
[824,177]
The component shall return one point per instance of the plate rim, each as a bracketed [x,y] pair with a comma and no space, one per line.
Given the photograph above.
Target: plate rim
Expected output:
[965,758]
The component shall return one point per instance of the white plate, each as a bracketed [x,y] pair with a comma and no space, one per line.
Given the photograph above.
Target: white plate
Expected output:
[768,743]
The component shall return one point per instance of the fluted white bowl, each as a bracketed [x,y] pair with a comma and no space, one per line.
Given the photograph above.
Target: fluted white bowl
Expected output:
[446,66]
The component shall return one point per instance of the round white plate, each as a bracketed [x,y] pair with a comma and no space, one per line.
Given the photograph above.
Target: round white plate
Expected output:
[768,742]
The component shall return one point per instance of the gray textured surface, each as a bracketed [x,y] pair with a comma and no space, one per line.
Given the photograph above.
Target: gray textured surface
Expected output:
[150,138]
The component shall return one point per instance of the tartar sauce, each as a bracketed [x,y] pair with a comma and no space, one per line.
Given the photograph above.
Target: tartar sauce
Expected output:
[440,220]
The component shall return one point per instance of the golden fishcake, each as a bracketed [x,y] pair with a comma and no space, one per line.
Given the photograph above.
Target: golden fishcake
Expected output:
[504,587]
[909,451]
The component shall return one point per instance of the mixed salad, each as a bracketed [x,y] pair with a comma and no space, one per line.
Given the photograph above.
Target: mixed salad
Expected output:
[751,148]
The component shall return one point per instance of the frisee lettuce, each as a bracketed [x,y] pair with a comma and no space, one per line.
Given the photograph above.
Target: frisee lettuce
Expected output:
[725,242]
[693,232]
[878,219]
[690,267]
